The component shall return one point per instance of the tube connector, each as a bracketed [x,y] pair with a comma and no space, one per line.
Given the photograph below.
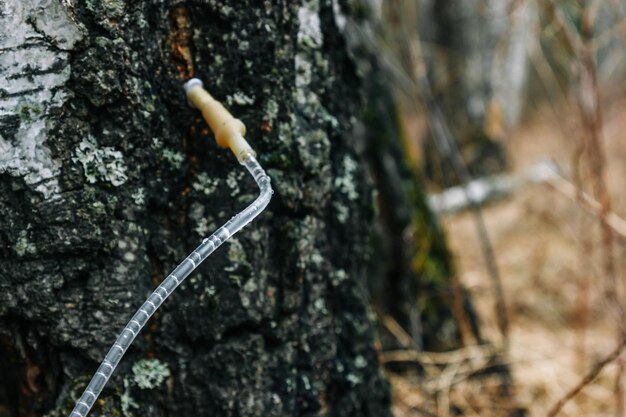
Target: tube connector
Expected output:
[229,132]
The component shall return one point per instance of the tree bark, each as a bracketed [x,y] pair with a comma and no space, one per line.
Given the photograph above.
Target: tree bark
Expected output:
[108,179]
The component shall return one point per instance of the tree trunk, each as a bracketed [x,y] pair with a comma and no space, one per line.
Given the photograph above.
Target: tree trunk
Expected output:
[411,272]
[476,52]
[108,179]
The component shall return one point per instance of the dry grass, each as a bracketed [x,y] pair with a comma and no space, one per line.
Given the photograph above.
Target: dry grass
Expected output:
[539,239]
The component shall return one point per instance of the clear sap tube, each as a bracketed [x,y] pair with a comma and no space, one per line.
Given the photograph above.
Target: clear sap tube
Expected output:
[169,284]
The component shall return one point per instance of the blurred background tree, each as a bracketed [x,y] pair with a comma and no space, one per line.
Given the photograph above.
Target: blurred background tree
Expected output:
[490,87]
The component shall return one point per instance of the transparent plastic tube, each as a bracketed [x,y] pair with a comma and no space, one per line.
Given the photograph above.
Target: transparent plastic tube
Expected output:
[169,284]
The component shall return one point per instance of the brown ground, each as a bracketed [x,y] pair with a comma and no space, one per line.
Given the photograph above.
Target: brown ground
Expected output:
[539,237]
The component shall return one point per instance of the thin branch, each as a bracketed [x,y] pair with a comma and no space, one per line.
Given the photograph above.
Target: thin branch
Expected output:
[587,379]
[397,331]
[588,203]
[467,353]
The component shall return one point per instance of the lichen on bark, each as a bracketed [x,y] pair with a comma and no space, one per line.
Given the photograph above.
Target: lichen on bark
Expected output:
[276,322]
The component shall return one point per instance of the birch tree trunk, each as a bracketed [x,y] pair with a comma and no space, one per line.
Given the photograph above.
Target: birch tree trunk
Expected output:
[108,179]
[476,51]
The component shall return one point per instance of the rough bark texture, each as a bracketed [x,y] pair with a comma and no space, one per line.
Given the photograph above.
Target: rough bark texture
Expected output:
[108,179]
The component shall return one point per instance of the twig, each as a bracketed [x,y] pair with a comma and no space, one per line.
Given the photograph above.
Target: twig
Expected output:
[588,203]
[440,358]
[444,385]
[587,379]
[397,331]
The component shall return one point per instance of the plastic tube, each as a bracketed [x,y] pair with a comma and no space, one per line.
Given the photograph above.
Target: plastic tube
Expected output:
[173,280]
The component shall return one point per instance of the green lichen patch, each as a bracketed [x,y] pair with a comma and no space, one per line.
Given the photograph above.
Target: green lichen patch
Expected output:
[100,164]
[236,253]
[150,373]
[139,196]
[205,184]
[271,110]
[173,158]
[29,111]
[127,402]
[23,245]
[345,182]
[240,98]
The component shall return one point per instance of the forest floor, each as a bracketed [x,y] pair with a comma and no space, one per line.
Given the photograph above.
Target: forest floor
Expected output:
[551,261]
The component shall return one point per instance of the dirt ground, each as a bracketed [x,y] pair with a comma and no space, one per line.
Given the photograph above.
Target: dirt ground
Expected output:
[548,249]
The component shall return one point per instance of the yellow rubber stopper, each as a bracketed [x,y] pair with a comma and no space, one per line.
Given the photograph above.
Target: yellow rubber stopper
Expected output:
[229,132]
